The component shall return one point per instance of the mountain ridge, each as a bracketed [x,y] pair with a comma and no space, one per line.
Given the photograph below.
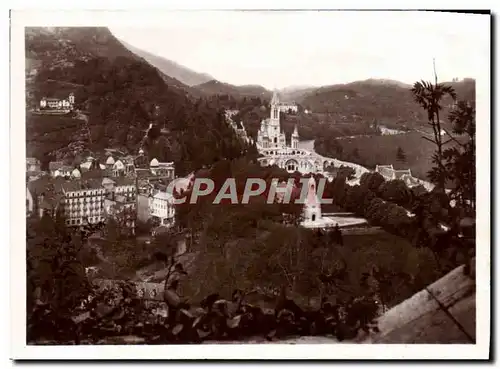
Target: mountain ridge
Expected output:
[171,68]
[216,87]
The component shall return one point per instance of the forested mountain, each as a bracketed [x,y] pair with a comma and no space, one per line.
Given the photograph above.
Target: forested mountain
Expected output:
[170,68]
[386,101]
[215,87]
[119,95]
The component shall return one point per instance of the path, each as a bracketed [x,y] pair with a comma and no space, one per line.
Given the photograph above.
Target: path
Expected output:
[85,119]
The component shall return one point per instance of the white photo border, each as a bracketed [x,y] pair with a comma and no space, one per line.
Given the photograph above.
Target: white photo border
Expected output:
[275,351]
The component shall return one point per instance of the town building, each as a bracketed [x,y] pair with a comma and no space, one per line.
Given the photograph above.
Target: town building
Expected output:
[122,209]
[32,165]
[56,104]
[162,208]
[161,173]
[390,174]
[164,170]
[83,201]
[91,163]
[288,108]
[59,169]
[54,166]
[43,195]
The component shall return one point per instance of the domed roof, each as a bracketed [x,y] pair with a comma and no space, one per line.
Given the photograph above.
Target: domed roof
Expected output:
[110,160]
[154,163]
[141,151]
[76,173]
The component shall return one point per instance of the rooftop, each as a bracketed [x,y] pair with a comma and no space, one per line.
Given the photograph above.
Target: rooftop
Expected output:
[81,184]
[124,181]
[54,165]
[163,195]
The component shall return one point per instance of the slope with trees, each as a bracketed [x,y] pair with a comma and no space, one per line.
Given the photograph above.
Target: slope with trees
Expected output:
[389,102]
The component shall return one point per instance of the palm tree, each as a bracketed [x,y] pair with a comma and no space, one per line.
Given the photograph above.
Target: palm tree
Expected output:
[430,97]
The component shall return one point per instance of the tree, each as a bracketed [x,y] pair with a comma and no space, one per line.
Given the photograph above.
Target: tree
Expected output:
[460,159]
[355,153]
[396,191]
[55,273]
[430,97]
[400,155]
[371,181]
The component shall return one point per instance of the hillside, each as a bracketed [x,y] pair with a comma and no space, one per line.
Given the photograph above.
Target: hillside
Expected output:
[63,46]
[388,102]
[121,94]
[185,75]
[215,87]
[295,93]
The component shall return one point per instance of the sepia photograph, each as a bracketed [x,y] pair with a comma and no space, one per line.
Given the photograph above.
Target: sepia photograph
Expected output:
[294,184]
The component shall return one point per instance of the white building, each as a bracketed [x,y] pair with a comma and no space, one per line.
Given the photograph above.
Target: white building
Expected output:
[83,202]
[312,217]
[51,103]
[162,207]
[288,107]
[163,169]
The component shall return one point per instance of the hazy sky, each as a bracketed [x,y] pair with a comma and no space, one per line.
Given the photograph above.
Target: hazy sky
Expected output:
[279,49]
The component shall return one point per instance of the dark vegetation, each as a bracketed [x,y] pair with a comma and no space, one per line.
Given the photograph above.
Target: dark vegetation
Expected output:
[214,87]
[381,150]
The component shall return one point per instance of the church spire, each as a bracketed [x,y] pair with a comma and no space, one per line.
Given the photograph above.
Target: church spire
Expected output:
[275,100]
[295,132]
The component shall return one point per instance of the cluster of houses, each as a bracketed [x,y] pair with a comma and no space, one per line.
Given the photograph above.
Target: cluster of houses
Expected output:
[125,188]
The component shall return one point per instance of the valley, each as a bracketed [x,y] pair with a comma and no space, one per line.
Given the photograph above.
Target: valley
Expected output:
[122,125]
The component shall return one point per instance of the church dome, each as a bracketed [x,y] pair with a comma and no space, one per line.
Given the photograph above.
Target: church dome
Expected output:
[75,173]
[110,160]
[154,163]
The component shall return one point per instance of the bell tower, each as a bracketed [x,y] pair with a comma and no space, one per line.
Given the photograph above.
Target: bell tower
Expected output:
[275,108]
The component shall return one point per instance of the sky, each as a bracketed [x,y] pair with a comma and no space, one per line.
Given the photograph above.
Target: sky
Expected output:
[285,48]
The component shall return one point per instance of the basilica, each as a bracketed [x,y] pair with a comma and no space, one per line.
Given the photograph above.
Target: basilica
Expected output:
[270,134]
[272,145]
